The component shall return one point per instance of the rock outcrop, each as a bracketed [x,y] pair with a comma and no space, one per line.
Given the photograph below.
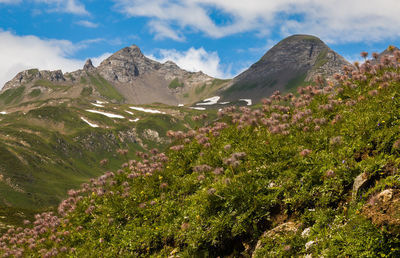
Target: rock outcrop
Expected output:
[34,75]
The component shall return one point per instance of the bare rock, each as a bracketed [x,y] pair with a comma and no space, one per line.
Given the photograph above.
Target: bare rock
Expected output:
[88,66]
[360,181]
[278,230]
[384,210]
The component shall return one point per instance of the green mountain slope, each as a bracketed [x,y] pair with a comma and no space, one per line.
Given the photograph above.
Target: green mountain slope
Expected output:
[313,174]
[49,147]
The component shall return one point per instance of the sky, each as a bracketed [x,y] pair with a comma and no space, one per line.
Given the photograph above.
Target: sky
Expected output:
[219,37]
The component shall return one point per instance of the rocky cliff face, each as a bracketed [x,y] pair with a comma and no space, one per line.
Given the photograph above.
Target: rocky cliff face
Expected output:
[291,62]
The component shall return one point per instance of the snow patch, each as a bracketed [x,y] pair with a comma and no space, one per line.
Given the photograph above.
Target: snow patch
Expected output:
[92,125]
[97,105]
[198,108]
[209,101]
[224,103]
[105,114]
[249,102]
[134,120]
[180,105]
[101,102]
[129,112]
[147,110]
[3,113]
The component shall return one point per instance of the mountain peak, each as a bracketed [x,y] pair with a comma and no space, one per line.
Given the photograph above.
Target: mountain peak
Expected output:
[88,65]
[293,61]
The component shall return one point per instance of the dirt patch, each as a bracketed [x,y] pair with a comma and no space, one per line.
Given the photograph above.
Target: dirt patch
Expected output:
[384,210]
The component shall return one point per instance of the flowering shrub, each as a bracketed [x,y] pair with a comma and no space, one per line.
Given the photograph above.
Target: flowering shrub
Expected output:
[217,189]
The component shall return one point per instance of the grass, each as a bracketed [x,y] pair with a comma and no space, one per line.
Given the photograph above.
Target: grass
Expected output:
[34,93]
[250,86]
[50,150]
[105,88]
[321,59]
[12,95]
[219,190]
[86,91]
[296,82]
[176,84]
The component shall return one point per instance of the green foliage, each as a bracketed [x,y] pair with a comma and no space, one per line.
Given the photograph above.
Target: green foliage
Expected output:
[105,88]
[83,80]
[33,71]
[34,93]
[250,86]
[218,191]
[12,95]
[176,84]
[296,82]
[86,91]
[200,89]
[321,59]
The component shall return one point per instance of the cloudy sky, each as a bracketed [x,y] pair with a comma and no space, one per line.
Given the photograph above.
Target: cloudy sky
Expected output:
[219,37]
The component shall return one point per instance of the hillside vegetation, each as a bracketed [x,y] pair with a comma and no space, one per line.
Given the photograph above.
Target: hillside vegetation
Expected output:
[47,148]
[268,182]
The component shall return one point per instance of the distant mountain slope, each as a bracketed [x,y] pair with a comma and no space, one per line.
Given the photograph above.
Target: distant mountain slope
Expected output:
[126,76]
[290,63]
[50,146]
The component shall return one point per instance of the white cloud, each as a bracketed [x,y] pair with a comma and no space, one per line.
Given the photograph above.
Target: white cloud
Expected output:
[10,1]
[87,24]
[332,20]
[65,6]
[162,31]
[97,60]
[19,53]
[195,60]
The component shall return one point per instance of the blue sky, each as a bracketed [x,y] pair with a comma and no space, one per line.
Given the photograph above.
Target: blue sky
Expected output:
[219,37]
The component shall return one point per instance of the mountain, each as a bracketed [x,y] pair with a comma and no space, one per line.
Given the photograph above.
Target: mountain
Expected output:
[50,146]
[311,175]
[125,77]
[128,76]
[294,61]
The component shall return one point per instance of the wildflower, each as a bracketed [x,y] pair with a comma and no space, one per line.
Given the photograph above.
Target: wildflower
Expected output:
[211,191]
[305,152]
[163,185]
[122,152]
[185,226]
[336,140]
[396,145]
[330,173]
[218,171]
[177,148]
[103,162]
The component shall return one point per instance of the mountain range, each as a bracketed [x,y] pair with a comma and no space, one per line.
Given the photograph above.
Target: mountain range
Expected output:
[130,77]
[56,127]
[312,172]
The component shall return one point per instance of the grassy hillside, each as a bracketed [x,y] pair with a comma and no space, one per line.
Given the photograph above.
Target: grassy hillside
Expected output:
[47,149]
[270,182]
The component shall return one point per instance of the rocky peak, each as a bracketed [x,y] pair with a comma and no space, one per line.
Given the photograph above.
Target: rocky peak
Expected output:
[293,60]
[88,65]
[125,65]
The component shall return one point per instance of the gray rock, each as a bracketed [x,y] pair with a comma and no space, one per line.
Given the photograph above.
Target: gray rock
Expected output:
[281,229]
[88,66]
[359,182]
